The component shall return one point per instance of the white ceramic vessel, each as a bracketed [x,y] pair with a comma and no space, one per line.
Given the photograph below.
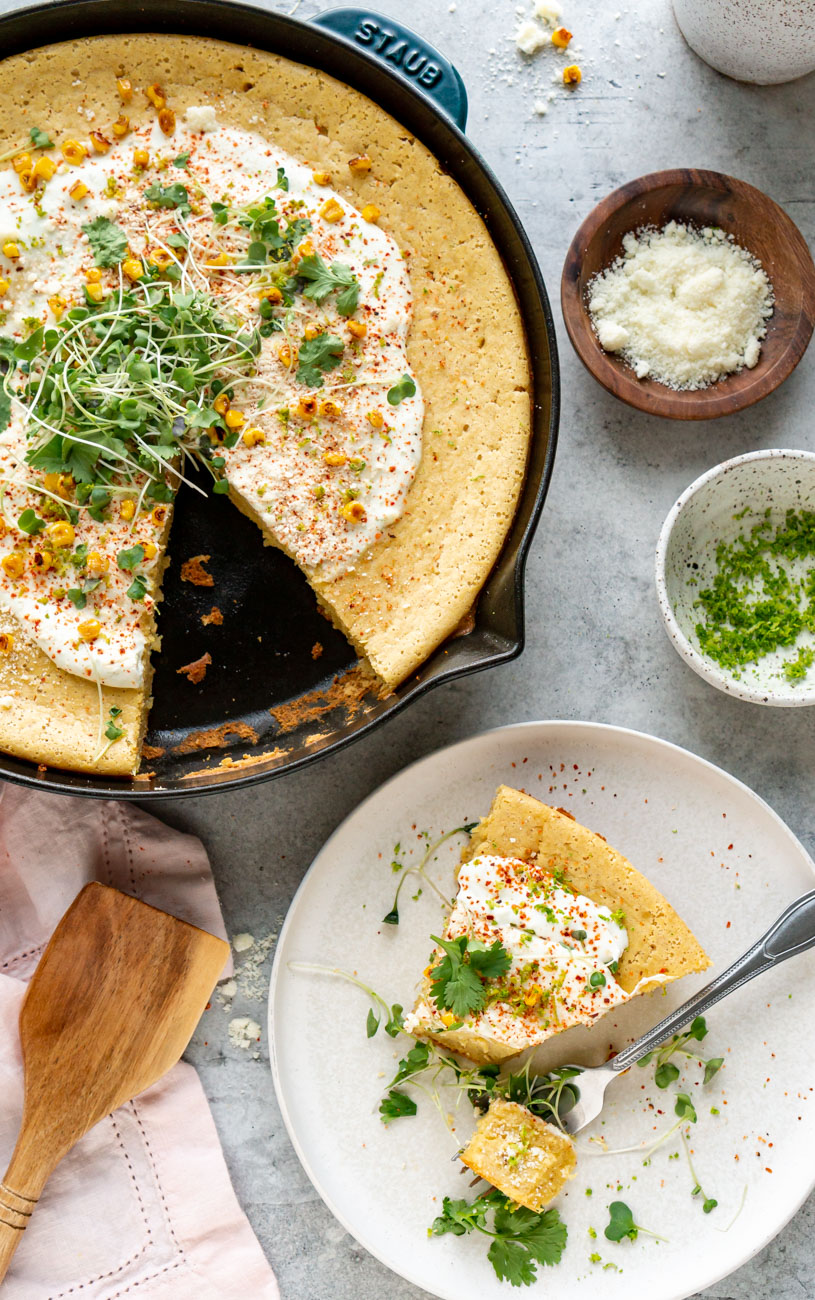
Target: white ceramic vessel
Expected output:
[764,41]
[712,510]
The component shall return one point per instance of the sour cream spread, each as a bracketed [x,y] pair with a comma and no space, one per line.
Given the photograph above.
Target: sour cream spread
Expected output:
[563,949]
[324,460]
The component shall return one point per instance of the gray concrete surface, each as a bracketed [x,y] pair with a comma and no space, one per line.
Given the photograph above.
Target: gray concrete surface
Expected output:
[596,648]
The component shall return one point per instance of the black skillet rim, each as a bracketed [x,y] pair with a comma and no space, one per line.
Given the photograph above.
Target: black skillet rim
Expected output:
[27,28]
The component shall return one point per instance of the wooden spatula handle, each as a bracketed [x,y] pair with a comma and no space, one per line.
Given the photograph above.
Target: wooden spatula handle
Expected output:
[15,1214]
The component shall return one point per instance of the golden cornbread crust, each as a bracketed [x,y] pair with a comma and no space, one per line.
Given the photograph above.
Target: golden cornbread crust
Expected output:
[527,1159]
[466,346]
[660,948]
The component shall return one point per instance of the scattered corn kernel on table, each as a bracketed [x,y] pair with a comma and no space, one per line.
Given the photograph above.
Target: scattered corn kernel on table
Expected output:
[596,647]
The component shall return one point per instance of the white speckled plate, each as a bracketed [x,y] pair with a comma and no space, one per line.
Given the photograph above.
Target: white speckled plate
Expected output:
[729,865]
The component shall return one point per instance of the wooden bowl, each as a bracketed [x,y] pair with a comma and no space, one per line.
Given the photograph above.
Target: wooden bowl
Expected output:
[698,198]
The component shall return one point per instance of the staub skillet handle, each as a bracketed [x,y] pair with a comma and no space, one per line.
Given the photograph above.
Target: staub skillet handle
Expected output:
[402,51]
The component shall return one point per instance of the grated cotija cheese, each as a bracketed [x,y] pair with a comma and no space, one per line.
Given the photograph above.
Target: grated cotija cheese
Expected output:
[683,306]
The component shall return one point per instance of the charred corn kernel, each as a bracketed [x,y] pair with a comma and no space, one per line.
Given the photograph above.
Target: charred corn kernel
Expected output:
[358,328]
[100,142]
[321,178]
[221,403]
[150,550]
[127,509]
[448,1018]
[125,88]
[253,438]
[335,459]
[272,294]
[61,534]
[6,642]
[312,332]
[354,512]
[28,181]
[73,152]
[287,354]
[133,268]
[51,482]
[534,996]
[97,564]
[11,250]
[4,288]
[376,419]
[93,275]
[427,970]
[159,515]
[94,292]
[44,168]
[572,76]
[330,409]
[166,121]
[561,37]
[159,258]
[14,564]
[78,190]
[222,259]
[65,486]
[234,420]
[332,211]
[141,158]
[360,164]
[371,213]
[156,95]
[22,162]
[307,408]
[42,561]
[121,126]
[306,249]
[89,629]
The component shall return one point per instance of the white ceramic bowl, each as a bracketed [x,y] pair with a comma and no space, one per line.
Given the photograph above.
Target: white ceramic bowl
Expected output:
[702,517]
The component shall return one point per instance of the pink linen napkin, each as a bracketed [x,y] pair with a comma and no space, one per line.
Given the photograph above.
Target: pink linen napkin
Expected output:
[143,1206]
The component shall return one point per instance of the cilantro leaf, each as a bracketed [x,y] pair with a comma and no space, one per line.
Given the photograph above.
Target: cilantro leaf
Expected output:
[521,1239]
[322,280]
[457,982]
[404,387]
[318,356]
[169,196]
[108,241]
[30,522]
[460,1217]
[396,1105]
[490,962]
[40,139]
[511,1262]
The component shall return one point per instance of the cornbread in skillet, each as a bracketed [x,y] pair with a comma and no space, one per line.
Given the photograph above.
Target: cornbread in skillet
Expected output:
[409,588]
[585,930]
[527,1159]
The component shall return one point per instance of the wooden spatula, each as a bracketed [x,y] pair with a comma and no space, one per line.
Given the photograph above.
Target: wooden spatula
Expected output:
[112,1005]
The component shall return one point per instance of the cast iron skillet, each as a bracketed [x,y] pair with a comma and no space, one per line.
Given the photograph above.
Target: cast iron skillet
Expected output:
[262,655]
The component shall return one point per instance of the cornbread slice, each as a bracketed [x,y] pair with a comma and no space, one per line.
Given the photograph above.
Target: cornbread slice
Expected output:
[557,867]
[527,1159]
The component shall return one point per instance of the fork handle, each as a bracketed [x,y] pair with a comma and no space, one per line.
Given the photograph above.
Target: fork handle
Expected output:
[793,932]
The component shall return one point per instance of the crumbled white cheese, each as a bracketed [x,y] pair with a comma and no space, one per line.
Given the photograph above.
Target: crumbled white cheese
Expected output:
[682,306]
[201,117]
[244,1032]
[531,37]
[548,11]
[227,990]
[242,942]
[541,108]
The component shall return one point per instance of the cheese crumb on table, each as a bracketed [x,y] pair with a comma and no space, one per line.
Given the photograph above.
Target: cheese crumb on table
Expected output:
[683,306]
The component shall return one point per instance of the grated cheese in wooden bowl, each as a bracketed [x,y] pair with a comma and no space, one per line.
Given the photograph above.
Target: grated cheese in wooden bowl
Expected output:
[681,305]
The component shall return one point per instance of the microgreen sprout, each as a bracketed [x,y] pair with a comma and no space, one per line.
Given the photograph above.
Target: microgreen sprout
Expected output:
[667,1072]
[380,1009]
[708,1202]
[392,917]
[621,1224]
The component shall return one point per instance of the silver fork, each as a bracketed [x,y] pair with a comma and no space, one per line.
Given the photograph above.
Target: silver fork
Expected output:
[793,932]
